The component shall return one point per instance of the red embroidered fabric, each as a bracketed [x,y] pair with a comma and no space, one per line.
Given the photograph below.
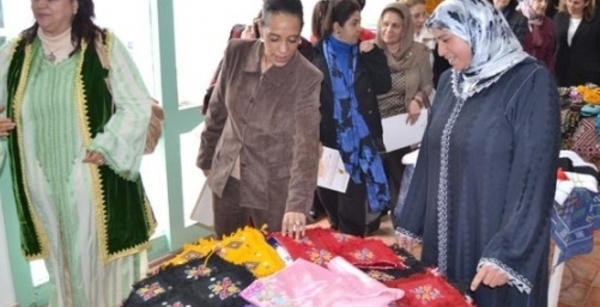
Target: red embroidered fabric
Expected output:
[427,290]
[321,245]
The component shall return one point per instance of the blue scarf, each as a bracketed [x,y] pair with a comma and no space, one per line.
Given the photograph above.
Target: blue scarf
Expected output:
[356,146]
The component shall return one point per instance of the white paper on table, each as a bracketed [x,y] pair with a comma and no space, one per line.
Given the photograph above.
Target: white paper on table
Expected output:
[203,210]
[397,133]
[332,173]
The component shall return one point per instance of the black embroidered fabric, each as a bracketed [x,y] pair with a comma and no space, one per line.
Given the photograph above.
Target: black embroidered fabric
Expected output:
[218,284]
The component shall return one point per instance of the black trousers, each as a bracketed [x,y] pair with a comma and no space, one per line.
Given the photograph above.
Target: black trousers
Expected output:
[349,212]
[394,169]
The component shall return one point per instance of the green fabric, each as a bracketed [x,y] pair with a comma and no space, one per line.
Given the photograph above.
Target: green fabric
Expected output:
[127,225]
[30,243]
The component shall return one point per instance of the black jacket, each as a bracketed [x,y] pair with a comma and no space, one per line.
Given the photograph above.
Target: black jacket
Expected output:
[580,62]
[372,78]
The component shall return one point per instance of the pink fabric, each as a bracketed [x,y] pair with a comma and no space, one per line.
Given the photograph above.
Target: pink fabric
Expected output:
[305,284]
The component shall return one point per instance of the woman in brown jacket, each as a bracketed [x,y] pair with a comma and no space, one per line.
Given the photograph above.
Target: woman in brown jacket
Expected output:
[412,80]
[260,146]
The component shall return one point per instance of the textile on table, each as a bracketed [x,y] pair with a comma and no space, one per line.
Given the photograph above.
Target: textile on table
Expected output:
[320,245]
[247,246]
[305,284]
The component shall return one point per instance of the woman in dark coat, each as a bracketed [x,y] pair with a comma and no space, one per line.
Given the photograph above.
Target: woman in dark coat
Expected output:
[483,188]
[350,121]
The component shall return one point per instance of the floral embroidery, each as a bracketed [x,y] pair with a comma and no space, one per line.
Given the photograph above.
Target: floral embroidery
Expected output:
[191,255]
[426,293]
[380,276]
[340,237]
[263,292]
[224,288]
[306,240]
[149,291]
[234,244]
[319,256]
[196,272]
[363,254]
[251,265]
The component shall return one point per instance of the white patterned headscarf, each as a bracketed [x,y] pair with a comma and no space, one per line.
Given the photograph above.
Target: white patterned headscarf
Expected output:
[526,8]
[494,46]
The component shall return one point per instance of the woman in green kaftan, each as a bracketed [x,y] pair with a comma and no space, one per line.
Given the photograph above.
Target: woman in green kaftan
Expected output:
[74,148]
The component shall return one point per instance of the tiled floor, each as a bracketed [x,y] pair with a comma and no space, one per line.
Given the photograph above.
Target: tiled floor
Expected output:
[581,278]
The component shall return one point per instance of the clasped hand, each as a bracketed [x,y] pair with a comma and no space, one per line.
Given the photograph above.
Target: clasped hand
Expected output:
[6,124]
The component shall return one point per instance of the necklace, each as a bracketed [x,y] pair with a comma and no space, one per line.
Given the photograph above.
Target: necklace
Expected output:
[50,56]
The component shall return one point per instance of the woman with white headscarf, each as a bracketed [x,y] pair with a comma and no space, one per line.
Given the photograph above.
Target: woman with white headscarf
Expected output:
[481,195]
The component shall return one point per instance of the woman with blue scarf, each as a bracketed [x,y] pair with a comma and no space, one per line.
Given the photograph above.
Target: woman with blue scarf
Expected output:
[351,123]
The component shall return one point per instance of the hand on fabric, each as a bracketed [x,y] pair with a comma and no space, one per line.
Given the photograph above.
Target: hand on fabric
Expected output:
[94,157]
[248,32]
[406,242]
[414,111]
[490,276]
[366,46]
[6,124]
[294,224]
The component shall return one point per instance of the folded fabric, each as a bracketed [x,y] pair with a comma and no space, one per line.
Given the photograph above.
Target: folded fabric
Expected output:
[246,246]
[427,290]
[305,284]
[320,245]
[201,282]
[574,223]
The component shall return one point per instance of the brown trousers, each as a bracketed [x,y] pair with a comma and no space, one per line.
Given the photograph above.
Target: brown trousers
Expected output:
[229,215]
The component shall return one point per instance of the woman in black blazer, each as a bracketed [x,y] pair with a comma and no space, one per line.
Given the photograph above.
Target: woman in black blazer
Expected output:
[577,58]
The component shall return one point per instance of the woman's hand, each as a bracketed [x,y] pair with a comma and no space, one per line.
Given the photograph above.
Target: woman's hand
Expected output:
[94,157]
[6,124]
[366,46]
[294,224]
[414,111]
[406,242]
[490,276]
[248,32]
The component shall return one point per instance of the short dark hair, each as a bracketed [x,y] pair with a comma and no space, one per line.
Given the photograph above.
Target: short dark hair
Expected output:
[338,11]
[292,7]
[83,27]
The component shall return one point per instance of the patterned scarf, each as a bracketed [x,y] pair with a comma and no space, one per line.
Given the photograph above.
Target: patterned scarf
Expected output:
[494,46]
[356,146]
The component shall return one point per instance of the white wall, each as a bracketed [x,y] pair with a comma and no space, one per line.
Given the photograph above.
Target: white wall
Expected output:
[7,292]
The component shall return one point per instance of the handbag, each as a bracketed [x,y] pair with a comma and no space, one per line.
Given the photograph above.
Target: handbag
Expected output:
[157,117]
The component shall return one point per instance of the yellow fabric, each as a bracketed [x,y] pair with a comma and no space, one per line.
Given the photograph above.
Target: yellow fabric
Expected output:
[246,246]
[590,95]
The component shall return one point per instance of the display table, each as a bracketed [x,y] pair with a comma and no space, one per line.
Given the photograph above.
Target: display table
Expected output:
[241,269]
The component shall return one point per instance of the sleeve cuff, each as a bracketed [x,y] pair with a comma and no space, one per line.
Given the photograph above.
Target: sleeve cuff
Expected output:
[399,231]
[514,278]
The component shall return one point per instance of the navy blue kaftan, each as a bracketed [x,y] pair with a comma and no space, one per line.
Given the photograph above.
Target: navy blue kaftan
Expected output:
[484,184]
